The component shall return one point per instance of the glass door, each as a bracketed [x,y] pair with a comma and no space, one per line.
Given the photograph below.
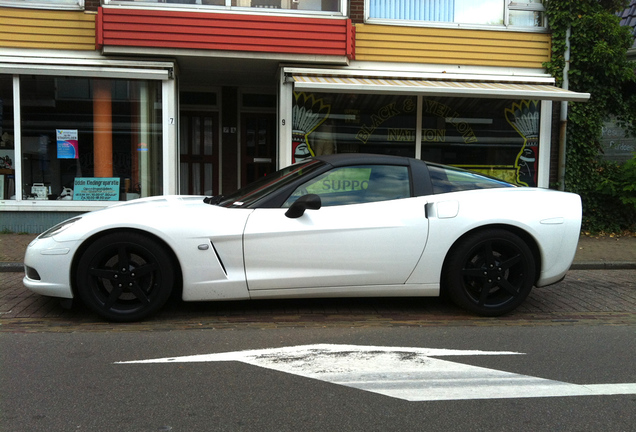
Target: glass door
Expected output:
[199,165]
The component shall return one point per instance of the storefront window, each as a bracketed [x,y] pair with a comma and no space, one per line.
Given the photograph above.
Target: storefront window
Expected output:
[90,139]
[353,123]
[496,137]
[7,147]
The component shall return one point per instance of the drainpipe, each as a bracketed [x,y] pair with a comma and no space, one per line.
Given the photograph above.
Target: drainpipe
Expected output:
[563,119]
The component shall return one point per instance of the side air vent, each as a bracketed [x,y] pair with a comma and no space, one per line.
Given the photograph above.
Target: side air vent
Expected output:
[219,258]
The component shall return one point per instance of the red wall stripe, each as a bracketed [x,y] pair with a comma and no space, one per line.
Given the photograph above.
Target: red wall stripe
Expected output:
[217,31]
[136,30]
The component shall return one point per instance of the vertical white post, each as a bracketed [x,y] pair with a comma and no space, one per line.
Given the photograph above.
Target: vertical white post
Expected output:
[418,127]
[145,175]
[545,139]
[170,152]
[285,101]
[17,139]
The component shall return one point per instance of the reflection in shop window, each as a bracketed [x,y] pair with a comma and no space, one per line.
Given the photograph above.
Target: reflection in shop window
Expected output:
[7,146]
[89,139]
[352,123]
[300,5]
[496,137]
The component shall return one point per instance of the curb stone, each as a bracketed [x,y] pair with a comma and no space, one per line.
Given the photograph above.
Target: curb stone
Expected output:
[603,265]
[11,267]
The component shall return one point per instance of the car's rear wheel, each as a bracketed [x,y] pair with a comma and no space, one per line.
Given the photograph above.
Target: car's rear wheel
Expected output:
[125,276]
[490,272]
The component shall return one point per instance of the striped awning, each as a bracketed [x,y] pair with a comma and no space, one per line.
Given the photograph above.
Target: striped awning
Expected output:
[494,90]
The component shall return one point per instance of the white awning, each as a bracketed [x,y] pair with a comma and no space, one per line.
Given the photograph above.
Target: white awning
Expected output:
[493,90]
[90,64]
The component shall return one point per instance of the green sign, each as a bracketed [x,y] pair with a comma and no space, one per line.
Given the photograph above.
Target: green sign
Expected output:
[96,189]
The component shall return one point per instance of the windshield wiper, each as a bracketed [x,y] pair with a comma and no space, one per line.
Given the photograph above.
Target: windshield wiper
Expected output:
[213,200]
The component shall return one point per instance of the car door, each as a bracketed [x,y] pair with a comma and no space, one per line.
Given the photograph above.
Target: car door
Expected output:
[369,231]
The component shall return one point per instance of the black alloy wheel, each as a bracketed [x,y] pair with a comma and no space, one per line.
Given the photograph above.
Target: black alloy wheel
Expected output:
[490,272]
[125,276]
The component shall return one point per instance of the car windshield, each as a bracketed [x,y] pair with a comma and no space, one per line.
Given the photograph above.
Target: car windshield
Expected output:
[449,179]
[264,186]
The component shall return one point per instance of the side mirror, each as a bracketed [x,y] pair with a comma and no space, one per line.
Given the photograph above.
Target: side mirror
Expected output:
[305,202]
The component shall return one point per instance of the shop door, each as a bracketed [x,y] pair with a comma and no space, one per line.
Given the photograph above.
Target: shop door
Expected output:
[199,144]
[258,146]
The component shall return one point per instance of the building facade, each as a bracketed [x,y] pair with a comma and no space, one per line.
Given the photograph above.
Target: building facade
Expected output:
[125,99]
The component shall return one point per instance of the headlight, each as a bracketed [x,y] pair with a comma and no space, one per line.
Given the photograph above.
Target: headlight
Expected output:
[59,228]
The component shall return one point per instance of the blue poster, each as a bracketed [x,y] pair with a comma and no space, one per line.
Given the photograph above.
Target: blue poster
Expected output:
[67,144]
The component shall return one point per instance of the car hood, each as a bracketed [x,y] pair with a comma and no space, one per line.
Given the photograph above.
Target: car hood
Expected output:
[160,201]
[172,216]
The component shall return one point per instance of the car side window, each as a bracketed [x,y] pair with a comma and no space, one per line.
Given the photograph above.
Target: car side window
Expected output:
[446,179]
[356,185]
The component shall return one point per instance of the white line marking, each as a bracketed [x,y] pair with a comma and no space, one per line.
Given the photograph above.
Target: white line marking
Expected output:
[404,373]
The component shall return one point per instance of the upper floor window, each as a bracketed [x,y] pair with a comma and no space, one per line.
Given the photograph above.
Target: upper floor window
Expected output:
[309,6]
[524,13]
[44,4]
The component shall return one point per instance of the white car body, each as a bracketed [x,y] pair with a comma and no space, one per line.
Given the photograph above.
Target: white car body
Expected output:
[386,248]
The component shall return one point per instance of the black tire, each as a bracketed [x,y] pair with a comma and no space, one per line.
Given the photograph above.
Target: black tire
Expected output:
[125,276]
[490,272]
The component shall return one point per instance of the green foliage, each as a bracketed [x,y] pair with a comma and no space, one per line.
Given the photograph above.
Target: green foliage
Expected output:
[611,204]
[614,5]
[620,183]
[599,66]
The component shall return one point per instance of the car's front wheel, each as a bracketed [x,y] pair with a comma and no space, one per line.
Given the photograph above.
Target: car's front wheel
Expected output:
[125,276]
[489,272]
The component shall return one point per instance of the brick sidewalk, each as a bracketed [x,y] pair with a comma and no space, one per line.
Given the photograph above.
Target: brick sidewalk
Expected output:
[597,297]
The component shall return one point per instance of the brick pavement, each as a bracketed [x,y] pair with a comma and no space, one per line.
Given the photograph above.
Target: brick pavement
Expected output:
[605,295]
[584,297]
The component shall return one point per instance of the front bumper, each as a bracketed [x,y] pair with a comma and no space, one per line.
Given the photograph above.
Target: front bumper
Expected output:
[48,267]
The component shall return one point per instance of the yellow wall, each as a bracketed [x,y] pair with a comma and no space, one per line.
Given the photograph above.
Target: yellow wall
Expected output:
[451,46]
[45,29]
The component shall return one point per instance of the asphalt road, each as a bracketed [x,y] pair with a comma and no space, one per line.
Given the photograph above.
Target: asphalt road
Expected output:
[70,381]
[563,361]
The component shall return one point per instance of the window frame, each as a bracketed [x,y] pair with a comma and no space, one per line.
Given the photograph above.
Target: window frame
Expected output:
[43,4]
[150,4]
[93,68]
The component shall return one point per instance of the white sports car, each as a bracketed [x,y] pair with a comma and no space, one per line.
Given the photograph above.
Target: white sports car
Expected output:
[334,226]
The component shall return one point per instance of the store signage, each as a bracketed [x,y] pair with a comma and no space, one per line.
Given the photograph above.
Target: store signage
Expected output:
[96,189]
[616,144]
[308,114]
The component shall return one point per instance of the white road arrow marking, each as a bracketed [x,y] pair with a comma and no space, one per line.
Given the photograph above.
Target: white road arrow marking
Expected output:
[404,373]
